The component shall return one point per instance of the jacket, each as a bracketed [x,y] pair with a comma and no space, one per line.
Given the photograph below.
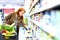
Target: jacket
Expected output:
[11,18]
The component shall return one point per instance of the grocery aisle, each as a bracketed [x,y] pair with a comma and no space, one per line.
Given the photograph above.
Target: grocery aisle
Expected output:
[42,19]
[45,14]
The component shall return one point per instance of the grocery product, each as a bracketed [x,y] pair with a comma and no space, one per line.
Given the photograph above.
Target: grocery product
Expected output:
[33,17]
[53,17]
[1,16]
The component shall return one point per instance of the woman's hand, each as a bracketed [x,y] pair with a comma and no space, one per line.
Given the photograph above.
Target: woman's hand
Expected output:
[25,26]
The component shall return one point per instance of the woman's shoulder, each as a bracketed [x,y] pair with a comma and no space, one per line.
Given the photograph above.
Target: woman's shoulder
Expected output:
[13,13]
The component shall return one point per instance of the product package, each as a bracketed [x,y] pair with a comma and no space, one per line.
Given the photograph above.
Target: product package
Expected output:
[1,16]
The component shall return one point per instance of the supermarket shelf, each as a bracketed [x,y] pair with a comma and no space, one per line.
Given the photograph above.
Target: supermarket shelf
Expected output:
[33,5]
[48,28]
[45,8]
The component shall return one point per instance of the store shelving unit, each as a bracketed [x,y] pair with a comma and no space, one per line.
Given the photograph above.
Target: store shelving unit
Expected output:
[43,26]
[51,30]
[45,8]
[33,5]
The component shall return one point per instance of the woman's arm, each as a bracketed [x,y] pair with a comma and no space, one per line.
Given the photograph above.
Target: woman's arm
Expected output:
[7,19]
[24,25]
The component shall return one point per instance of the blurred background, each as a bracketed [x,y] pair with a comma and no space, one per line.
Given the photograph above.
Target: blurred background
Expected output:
[42,17]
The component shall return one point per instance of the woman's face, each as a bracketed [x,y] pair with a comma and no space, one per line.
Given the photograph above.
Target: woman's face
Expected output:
[21,13]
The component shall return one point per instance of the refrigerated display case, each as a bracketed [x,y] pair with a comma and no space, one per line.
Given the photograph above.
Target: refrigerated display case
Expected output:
[47,21]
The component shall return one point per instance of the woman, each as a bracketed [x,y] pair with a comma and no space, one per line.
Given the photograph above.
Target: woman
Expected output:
[16,17]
